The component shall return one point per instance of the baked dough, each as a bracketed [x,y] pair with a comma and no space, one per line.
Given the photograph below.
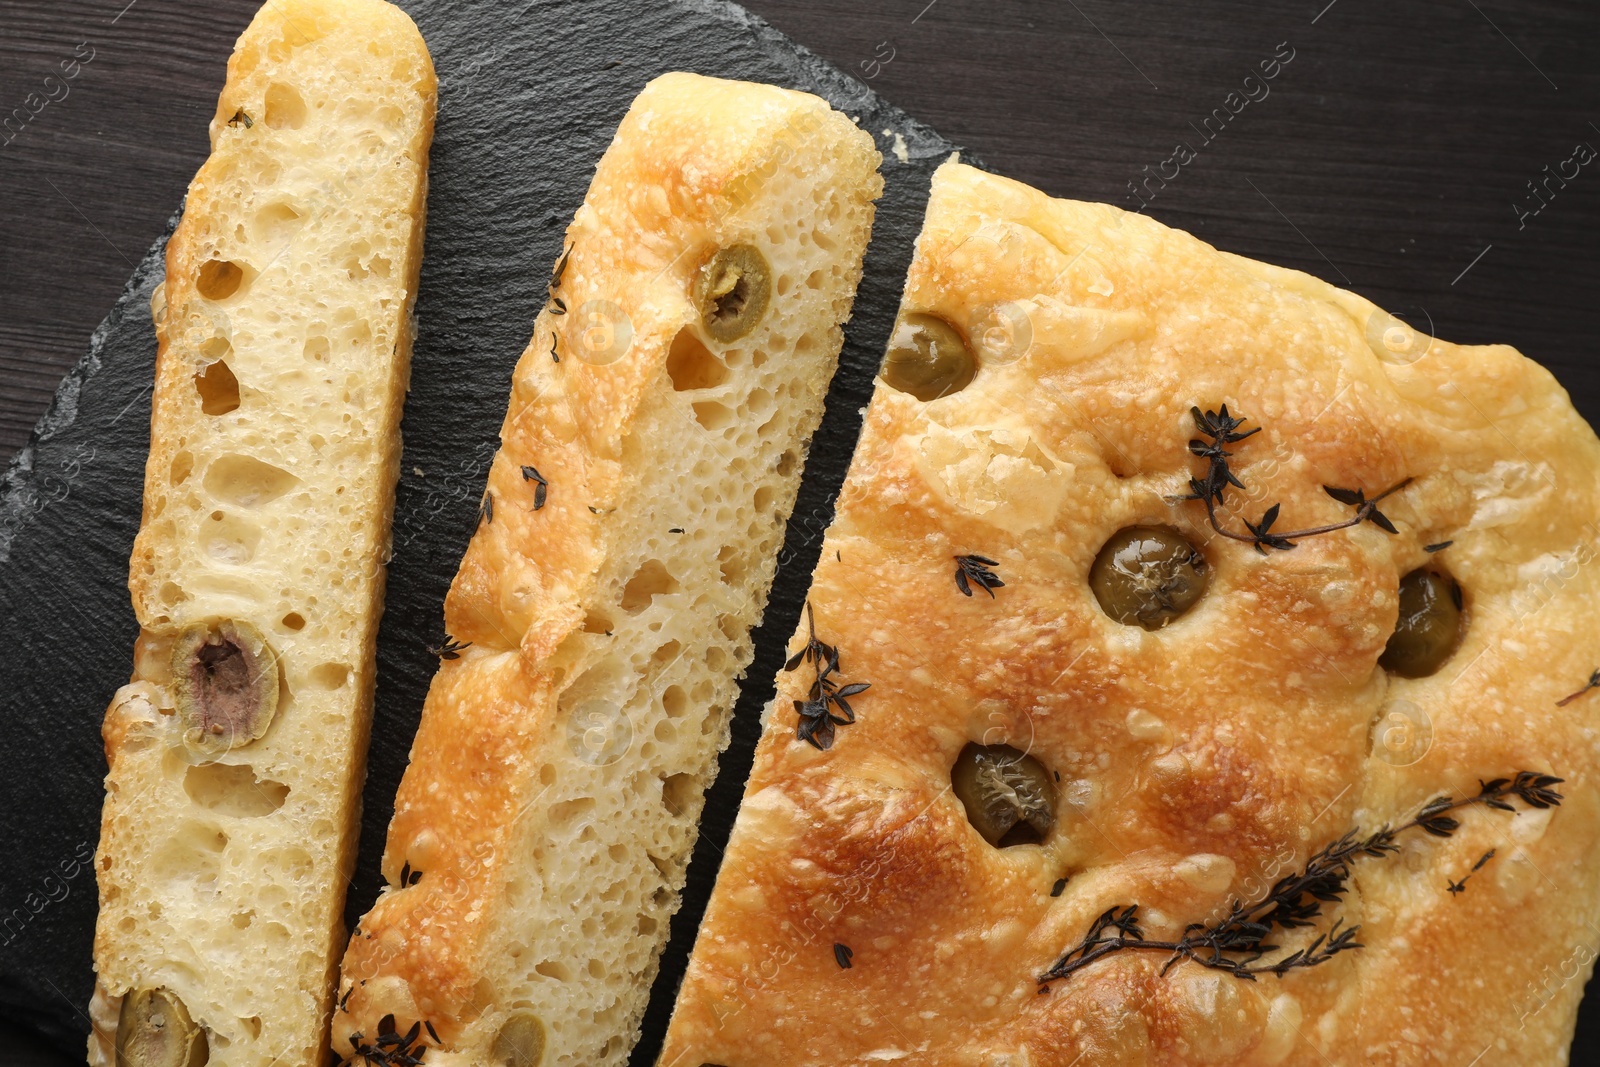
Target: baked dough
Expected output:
[284,328]
[600,617]
[1198,763]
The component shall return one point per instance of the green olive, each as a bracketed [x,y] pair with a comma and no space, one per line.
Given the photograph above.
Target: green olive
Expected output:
[1148,576]
[1008,794]
[928,358]
[1429,625]
[732,292]
[154,1030]
[520,1042]
[224,684]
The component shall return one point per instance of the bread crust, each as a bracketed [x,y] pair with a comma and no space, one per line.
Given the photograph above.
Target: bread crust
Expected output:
[1200,762]
[501,816]
[268,494]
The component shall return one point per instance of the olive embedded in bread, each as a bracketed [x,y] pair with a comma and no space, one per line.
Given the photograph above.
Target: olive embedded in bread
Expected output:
[154,1030]
[928,357]
[520,1042]
[224,684]
[732,292]
[1429,625]
[1008,794]
[1148,576]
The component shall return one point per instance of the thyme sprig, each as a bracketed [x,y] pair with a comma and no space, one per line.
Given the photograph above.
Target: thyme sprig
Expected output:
[1592,683]
[450,649]
[1239,940]
[1223,429]
[817,717]
[390,1048]
[974,570]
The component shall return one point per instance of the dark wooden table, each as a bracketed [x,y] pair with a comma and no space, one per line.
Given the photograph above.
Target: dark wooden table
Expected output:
[1426,156]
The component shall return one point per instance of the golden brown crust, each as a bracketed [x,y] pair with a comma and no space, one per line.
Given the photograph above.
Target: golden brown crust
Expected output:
[1200,762]
[633,467]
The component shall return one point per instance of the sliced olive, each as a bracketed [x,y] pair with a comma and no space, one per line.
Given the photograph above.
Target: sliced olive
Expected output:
[154,1030]
[732,292]
[224,683]
[928,357]
[520,1042]
[1008,794]
[1429,625]
[1148,576]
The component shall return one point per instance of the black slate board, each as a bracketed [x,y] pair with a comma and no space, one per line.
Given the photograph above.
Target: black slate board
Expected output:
[530,90]
[528,101]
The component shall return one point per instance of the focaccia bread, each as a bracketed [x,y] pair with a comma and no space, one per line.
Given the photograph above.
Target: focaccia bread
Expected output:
[237,751]
[648,462]
[1140,723]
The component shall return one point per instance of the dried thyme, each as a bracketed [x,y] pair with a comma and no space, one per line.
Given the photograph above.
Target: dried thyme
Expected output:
[817,719]
[1238,941]
[1222,429]
[974,570]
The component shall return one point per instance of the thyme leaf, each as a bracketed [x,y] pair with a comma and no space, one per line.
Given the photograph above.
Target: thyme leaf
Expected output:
[1456,887]
[541,486]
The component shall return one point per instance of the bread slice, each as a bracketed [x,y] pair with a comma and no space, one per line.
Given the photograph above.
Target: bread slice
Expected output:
[237,751]
[1189,734]
[649,459]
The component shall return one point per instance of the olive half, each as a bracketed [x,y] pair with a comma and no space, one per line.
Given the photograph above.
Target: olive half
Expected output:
[1008,794]
[928,357]
[154,1030]
[732,292]
[520,1042]
[1429,625]
[1148,576]
[224,684]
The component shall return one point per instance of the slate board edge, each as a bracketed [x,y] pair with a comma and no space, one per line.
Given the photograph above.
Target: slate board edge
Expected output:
[18,493]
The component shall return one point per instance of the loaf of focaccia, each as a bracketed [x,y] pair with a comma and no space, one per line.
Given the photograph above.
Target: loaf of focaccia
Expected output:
[237,751]
[649,459]
[1228,641]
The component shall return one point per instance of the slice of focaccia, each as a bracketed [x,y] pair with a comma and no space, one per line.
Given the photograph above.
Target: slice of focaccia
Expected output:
[1209,614]
[237,752]
[649,459]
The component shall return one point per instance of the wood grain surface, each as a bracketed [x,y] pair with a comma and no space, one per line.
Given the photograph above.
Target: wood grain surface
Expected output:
[1426,155]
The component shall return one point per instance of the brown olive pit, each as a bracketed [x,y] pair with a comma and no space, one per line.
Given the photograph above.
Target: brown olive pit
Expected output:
[1148,575]
[928,357]
[154,1030]
[520,1042]
[1429,626]
[224,683]
[732,292]
[1009,796]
